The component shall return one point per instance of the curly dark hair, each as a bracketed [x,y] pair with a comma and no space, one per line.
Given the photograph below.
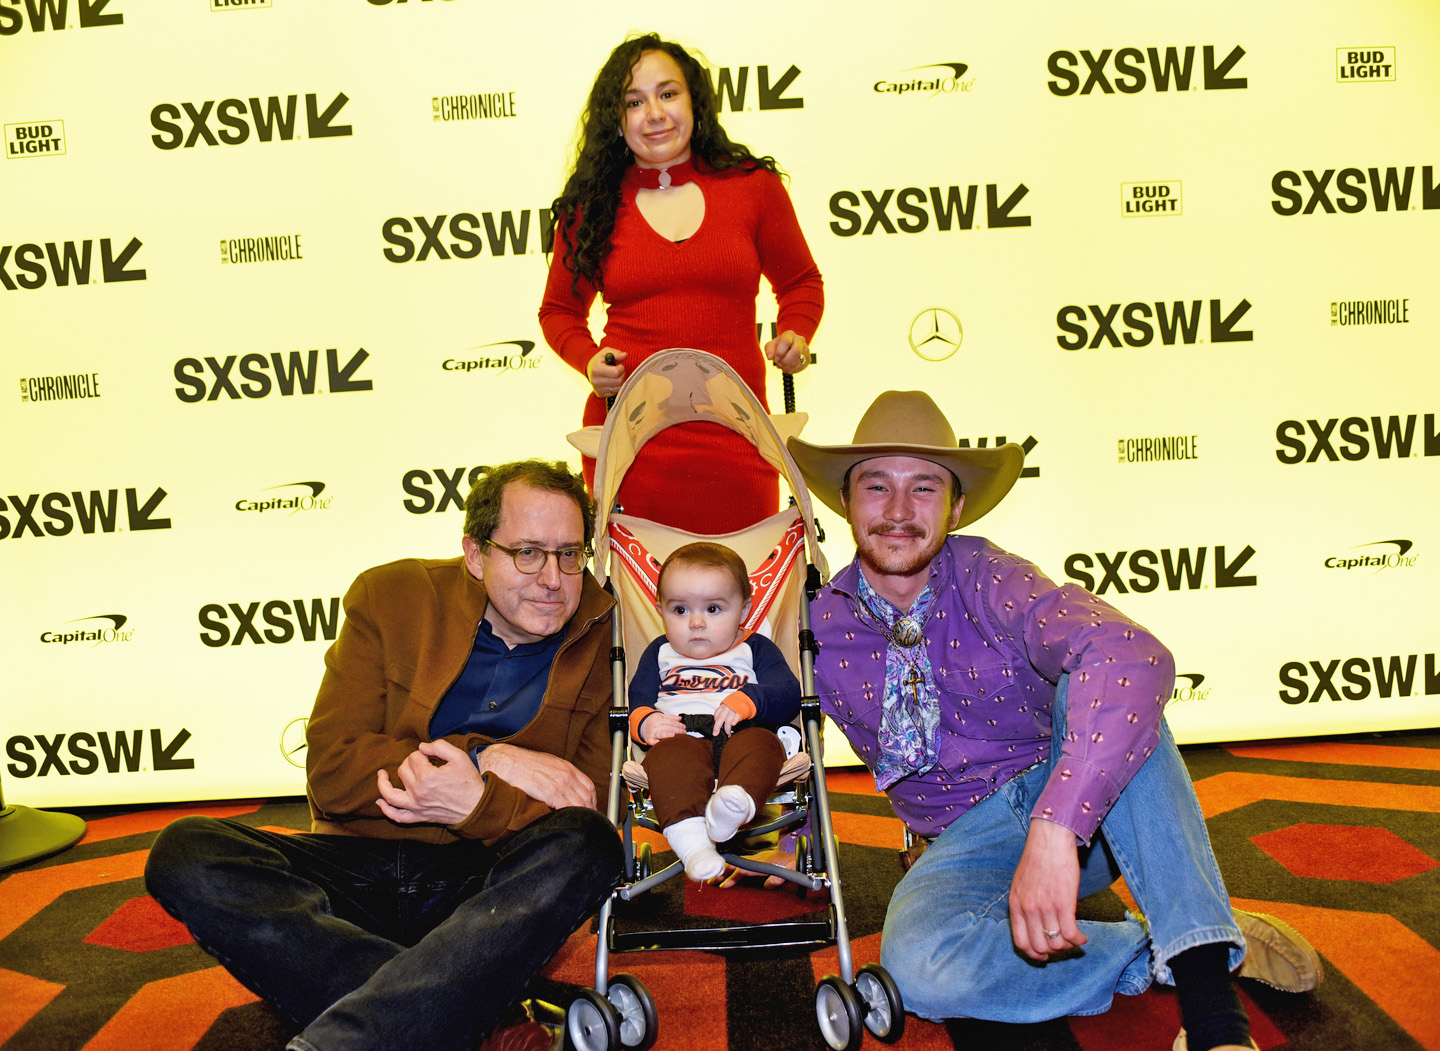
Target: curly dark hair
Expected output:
[487,495]
[592,192]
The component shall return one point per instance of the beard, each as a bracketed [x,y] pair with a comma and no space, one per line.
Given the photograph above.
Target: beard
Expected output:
[876,556]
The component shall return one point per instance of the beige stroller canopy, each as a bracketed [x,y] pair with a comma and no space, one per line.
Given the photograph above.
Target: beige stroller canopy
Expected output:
[688,386]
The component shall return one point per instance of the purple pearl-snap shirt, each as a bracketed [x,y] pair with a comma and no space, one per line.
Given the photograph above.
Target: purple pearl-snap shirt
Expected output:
[999,637]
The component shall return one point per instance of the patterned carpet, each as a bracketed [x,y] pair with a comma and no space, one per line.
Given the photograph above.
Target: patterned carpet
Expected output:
[1339,837]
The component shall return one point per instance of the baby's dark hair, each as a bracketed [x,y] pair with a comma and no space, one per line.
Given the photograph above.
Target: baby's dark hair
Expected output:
[706,555]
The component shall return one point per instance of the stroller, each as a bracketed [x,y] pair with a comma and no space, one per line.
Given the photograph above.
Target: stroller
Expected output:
[673,387]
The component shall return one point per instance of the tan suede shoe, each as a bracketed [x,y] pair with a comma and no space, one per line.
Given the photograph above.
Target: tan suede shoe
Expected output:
[1182,1045]
[1277,954]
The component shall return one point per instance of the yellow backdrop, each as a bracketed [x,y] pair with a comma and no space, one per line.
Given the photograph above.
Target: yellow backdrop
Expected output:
[269,274]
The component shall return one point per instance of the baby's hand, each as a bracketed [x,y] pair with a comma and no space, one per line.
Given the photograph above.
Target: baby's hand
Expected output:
[661,725]
[725,719]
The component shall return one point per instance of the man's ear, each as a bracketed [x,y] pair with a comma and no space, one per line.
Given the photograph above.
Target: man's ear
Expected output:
[955,513]
[473,561]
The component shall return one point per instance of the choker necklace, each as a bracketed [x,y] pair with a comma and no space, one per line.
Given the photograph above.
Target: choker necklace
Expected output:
[676,174]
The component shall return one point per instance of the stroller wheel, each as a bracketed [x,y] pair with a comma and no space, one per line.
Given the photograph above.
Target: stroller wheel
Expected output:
[592,1023]
[884,1012]
[636,1007]
[642,861]
[838,1011]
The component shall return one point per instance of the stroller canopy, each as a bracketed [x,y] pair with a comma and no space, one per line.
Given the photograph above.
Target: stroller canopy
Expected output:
[688,386]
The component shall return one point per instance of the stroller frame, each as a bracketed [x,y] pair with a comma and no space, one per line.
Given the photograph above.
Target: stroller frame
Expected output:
[673,387]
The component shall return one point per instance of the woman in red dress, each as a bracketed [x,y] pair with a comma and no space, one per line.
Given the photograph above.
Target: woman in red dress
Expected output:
[673,225]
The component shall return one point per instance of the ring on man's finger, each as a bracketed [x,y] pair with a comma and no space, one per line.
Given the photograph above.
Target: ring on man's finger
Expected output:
[1049,934]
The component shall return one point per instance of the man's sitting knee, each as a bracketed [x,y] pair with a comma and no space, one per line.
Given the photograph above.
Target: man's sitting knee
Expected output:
[171,870]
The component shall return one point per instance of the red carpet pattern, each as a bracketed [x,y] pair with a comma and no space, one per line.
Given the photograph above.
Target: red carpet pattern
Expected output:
[1339,838]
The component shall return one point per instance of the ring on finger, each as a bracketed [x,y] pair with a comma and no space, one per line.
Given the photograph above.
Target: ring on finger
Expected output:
[1049,934]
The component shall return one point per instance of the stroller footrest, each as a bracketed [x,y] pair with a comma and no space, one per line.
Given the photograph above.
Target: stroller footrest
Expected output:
[746,936]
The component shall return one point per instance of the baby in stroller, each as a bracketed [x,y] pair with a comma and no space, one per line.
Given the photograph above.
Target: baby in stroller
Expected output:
[705,697]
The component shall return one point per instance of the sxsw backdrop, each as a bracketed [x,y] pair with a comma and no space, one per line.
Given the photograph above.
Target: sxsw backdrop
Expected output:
[269,274]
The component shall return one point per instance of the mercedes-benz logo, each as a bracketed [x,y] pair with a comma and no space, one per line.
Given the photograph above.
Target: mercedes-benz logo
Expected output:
[936,334]
[292,742]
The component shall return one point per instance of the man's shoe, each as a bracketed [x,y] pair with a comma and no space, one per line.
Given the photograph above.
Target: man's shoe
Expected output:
[1277,954]
[527,1036]
[518,1029]
[1182,1045]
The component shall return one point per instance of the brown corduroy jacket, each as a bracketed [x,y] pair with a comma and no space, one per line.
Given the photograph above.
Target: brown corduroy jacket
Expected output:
[409,629]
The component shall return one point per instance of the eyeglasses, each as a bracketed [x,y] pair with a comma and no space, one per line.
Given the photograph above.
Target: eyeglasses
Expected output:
[571,560]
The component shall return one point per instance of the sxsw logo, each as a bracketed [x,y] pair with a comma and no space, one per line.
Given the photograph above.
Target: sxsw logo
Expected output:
[513,356]
[89,14]
[63,511]
[45,139]
[1029,470]
[1130,70]
[732,84]
[1355,65]
[952,207]
[281,619]
[1358,437]
[95,634]
[274,118]
[69,261]
[419,484]
[206,380]
[1141,324]
[502,230]
[1178,569]
[1392,676]
[119,750]
[1393,188]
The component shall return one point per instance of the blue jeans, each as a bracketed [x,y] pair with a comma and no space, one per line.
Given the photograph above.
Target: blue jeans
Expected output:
[389,945]
[947,937]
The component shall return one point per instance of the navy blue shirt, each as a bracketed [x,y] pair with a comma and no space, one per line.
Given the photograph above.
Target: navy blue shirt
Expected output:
[500,689]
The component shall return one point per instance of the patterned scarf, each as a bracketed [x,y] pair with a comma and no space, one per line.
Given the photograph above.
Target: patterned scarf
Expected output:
[910,711]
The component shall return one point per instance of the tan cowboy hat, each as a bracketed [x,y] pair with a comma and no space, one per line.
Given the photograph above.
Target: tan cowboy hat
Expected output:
[909,423]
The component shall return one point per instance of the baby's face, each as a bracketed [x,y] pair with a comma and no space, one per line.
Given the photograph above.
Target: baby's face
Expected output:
[702,609]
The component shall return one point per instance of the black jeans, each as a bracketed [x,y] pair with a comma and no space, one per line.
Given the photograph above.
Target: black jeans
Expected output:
[385,944]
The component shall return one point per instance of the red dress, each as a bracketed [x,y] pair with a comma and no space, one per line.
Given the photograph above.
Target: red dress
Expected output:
[700,293]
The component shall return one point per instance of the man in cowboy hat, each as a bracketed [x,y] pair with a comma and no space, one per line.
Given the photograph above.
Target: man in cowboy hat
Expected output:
[1010,720]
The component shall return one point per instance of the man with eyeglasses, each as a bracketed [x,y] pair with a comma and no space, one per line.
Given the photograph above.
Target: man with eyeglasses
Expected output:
[458,751]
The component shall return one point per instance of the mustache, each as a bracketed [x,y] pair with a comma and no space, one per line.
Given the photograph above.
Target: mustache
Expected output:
[906,529]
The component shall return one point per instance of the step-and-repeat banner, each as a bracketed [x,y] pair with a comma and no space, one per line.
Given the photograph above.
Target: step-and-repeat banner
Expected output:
[269,272]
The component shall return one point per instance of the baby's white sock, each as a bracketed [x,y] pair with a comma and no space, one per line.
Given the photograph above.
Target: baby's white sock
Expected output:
[728,809]
[694,847]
